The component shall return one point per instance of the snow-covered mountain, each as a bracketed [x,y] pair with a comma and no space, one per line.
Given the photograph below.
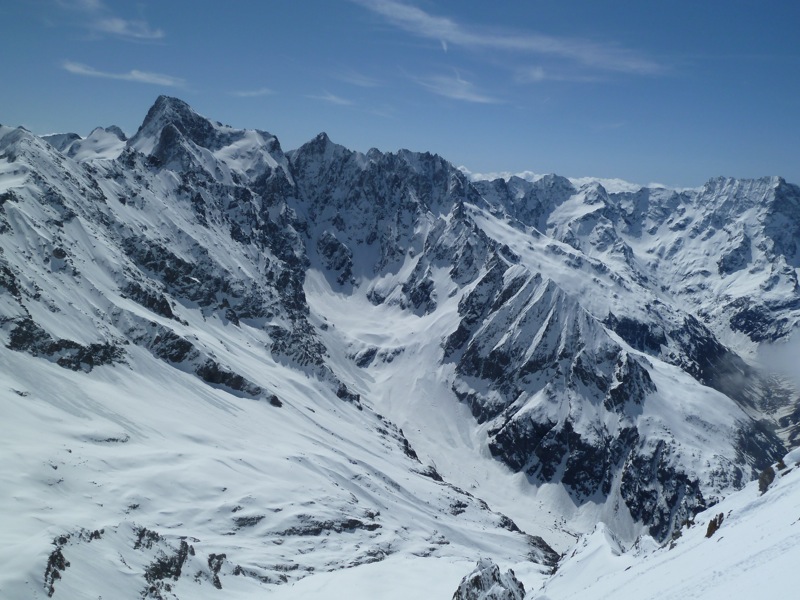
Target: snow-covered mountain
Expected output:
[231,367]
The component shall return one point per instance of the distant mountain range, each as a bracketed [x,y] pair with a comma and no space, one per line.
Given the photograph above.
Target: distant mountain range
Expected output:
[230,368]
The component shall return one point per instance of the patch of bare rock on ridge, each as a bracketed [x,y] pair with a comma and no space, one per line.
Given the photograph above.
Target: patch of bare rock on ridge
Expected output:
[486,582]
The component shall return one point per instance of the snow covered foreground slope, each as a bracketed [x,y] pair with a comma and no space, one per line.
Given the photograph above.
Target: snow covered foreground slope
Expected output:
[202,332]
[141,482]
[753,553]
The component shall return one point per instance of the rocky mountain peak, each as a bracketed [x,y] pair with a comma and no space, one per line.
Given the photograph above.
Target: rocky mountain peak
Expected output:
[114,130]
[172,111]
[486,582]
[321,147]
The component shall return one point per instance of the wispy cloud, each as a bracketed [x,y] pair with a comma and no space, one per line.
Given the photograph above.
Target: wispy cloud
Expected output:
[539,74]
[326,96]
[81,4]
[99,19]
[357,79]
[252,93]
[134,29]
[608,57]
[780,357]
[531,75]
[134,75]
[455,88]
[492,175]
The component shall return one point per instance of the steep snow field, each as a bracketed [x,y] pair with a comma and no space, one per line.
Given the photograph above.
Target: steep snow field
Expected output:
[283,492]
[753,554]
[418,399]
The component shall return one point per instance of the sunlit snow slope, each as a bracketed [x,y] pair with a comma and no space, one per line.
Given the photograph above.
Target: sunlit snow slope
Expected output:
[752,554]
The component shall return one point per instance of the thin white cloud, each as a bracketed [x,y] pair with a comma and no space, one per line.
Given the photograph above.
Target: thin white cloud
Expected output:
[101,20]
[134,75]
[252,93]
[326,96]
[539,74]
[455,88]
[609,57]
[134,29]
[85,5]
[357,79]
[532,75]
[492,175]
[780,357]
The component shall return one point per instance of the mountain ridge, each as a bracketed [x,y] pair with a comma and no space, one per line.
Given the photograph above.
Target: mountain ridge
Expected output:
[602,350]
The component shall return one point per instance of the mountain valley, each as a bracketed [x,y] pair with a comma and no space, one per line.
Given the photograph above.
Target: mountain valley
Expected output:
[231,369]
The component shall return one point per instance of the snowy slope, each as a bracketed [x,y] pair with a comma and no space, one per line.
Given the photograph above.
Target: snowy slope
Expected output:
[752,554]
[230,367]
[171,427]
[523,319]
[150,461]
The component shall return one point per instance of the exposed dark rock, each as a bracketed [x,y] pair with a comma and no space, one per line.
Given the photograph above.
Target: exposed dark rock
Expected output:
[408,450]
[56,564]
[642,336]
[168,345]
[542,553]
[657,492]
[167,111]
[714,524]
[145,538]
[196,282]
[765,479]
[487,583]
[213,373]
[760,320]
[215,562]
[736,258]
[457,507]
[250,521]
[149,299]
[8,280]
[27,336]
[430,471]
[337,257]
[419,289]
[541,449]
[344,393]
[631,383]
[757,445]
[365,358]
[165,567]
[310,526]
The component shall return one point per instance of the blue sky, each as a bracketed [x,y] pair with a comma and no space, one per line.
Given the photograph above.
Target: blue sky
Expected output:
[672,92]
